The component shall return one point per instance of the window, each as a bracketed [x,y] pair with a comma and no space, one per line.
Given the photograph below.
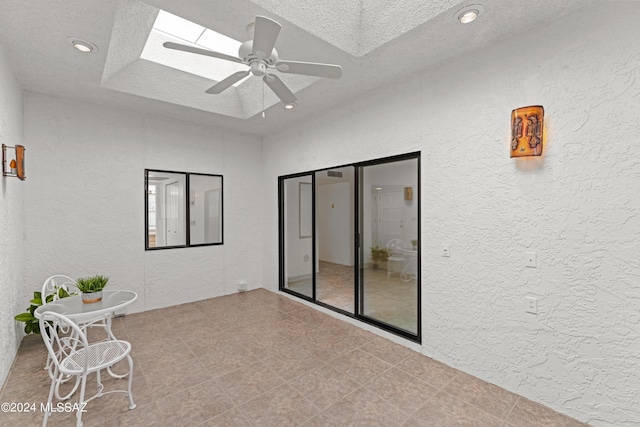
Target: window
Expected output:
[182,209]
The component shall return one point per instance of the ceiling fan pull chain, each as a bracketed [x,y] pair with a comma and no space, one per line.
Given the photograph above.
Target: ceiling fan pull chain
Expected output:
[263,116]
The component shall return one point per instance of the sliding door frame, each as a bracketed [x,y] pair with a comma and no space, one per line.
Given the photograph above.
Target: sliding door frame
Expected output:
[357,246]
[360,251]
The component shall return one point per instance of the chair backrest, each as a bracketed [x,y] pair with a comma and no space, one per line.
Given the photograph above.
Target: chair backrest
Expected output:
[394,247]
[63,337]
[57,285]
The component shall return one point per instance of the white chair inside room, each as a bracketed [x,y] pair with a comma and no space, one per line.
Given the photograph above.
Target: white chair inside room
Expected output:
[57,283]
[73,356]
[54,285]
[395,256]
[59,286]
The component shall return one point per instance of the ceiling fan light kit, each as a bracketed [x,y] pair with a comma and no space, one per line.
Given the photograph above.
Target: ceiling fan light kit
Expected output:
[263,61]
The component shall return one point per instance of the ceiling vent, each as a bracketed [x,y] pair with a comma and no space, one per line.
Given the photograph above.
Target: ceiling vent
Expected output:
[334,174]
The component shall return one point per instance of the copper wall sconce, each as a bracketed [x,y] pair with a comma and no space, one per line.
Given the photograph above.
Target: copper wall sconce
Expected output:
[15,167]
[527,124]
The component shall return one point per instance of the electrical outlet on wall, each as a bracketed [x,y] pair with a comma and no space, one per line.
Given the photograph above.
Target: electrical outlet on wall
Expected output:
[531,260]
[445,250]
[532,305]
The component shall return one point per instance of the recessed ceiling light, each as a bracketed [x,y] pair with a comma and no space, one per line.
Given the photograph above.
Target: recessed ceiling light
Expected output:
[82,45]
[468,16]
[469,13]
[290,106]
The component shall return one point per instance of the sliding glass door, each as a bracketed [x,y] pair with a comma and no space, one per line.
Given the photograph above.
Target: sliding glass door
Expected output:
[349,240]
[297,250]
[389,216]
[335,226]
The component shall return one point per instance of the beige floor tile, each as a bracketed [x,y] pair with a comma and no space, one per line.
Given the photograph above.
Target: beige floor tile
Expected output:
[264,345]
[320,420]
[445,410]
[283,407]
[13,419]
[293,363]
[387,350]
[403,390]
[232,418]
[530,414]
[324,386]
[194,405]
[249,382]
[325,347]
[493,399]
[180,376]
[223,360]
[364,408]
[360,366]
[431,371]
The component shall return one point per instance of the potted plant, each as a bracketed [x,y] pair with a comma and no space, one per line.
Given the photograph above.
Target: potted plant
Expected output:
[378,255]
[91,288]
[32,325]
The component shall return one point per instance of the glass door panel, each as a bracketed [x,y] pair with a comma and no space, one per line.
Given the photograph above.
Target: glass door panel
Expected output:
[297,207]
[335,200]
[389,250]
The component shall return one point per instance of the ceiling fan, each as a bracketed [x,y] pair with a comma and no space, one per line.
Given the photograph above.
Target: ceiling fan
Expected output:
[262,58]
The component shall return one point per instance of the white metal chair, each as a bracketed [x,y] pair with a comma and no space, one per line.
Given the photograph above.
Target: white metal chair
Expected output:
[59,286]
[55,284]
[395,255]
[56,287]
[73,356]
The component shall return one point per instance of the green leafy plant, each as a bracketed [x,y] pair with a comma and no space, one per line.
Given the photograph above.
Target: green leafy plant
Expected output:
[32,324]
[91,284]
[378,255]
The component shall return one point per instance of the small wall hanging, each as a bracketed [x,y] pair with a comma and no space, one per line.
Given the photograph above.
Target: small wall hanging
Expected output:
[15,166]
[408,193]
[527,124]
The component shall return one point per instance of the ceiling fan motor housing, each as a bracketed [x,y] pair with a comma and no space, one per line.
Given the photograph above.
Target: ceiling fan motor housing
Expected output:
[258,68]
[258,65]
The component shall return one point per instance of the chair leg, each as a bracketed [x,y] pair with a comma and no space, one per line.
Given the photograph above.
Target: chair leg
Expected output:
[131,404]
[50,399]
[81,401]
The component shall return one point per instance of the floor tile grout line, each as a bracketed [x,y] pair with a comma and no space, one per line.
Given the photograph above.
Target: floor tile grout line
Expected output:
[512,408]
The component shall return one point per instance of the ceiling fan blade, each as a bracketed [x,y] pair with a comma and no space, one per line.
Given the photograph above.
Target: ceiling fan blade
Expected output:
[228,82]
[280,89]
[265,34]
[192,49]
[310,69]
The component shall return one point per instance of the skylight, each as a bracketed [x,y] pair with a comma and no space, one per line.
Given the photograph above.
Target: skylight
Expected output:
[169,27]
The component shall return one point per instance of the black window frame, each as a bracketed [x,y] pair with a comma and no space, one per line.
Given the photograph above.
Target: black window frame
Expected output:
[188,243]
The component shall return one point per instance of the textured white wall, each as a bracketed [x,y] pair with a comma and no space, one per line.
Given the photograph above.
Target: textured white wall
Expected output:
[13,299]
[84,209]
[334,222]
[577,206]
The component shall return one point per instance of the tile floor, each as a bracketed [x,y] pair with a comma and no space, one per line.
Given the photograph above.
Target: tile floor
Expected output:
[260,359]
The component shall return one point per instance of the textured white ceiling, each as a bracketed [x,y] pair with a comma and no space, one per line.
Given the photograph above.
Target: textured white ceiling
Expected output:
[377,42]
